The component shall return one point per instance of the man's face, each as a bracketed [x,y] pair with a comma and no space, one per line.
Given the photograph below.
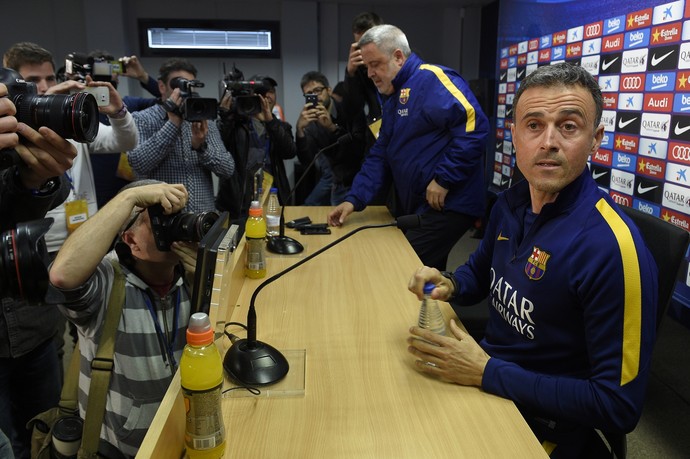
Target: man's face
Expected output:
[382,68]
[322,93]
[165,89]
[143,245]
[554,134]
[43,75]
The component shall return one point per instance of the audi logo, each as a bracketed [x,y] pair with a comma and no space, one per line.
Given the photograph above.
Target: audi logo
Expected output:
[592,29]
[633,82]
[621,199]
[681,152]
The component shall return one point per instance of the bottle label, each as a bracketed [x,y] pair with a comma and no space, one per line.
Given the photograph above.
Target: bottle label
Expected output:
[272,220]
[204,419]
[255,254]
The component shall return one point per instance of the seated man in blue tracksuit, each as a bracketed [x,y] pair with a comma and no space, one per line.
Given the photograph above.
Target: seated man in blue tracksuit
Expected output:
[572,287]
[430,146]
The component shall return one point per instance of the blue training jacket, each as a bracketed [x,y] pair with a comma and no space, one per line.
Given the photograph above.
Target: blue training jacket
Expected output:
[572,307]
[432,127]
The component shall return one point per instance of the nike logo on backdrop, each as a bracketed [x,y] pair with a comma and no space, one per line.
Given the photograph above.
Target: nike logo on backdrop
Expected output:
[643,189]
[622,124]
[596,175]
[656,60]
[606,65]
[680,130]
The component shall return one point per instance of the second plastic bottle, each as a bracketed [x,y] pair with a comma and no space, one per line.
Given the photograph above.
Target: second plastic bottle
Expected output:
[255,231]
[430,316]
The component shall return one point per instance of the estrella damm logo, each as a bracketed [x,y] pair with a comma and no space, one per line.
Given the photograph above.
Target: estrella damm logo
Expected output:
[404,95]
[536,263]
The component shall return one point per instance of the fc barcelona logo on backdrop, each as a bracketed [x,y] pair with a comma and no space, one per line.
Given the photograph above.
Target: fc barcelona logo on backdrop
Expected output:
[536,263]
[404,95]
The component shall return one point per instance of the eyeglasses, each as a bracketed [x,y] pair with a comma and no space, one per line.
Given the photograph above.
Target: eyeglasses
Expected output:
[316,91]
[133,220]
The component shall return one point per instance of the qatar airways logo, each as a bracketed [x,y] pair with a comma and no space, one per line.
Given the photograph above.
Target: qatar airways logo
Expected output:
[622,181]
[634,61]
[684,59]
[591,64]
[608,119]
[676,197]
[655,125]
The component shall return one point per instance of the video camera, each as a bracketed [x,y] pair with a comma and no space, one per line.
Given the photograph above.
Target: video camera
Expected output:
[24,261]
[193,107]
[73,116]
[245,99]
[100,69]
[180,226]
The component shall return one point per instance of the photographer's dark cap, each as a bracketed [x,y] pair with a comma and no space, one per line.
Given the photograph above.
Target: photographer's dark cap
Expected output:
[267,80]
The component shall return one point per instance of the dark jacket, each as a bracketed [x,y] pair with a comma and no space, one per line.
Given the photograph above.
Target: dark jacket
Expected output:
[234,193]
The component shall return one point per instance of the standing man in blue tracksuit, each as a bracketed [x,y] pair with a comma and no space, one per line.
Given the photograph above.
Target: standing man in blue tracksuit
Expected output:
[431,146]
[572,287]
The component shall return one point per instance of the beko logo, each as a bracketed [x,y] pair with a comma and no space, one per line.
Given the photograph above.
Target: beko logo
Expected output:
[613,24]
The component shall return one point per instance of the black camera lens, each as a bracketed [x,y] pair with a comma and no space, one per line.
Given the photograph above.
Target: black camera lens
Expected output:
[190,227]
[24,261]
[72,116]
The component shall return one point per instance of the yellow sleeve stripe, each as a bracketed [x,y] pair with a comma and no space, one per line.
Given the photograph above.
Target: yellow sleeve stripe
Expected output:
[632,315]
[445,81]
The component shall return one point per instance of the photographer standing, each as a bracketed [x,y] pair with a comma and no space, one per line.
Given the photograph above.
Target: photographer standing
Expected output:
[29,366]
[155,314]
[257,140]
[174,150]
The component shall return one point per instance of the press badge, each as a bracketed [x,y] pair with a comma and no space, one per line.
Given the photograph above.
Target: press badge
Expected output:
[76,213]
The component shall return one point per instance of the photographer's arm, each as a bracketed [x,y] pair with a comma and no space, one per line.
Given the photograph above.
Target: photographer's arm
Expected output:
[85,248]
[215,157]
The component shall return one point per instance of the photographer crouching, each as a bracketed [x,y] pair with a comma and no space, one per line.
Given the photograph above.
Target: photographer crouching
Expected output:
[156,311]
[32,167]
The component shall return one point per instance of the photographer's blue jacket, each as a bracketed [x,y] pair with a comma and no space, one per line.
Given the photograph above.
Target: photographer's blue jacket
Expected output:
[432,128]
[572,303]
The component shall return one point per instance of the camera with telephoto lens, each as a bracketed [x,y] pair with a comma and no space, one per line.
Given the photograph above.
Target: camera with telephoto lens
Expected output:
[24,261]
[193,107]
[73,116]
[78,65]
[181,226]
[245,99]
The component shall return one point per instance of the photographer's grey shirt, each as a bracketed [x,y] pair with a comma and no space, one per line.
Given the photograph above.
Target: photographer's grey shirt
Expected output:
[165,153]
[142,367]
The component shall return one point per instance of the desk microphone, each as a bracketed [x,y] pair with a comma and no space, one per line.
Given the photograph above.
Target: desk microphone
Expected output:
[252,362]
[284,244]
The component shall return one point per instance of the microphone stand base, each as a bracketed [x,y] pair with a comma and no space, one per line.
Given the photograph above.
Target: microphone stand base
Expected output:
[255,363]
[283,245]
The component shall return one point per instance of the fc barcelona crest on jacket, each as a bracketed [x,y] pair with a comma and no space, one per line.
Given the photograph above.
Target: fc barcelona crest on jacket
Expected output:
[404,95]
[536,263]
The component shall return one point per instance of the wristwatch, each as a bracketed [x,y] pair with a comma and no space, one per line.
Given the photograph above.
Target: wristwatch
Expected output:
[47,188]
[451,277]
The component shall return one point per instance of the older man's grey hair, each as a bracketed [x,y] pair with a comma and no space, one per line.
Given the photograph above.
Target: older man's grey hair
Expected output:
[387,38]
[564,74]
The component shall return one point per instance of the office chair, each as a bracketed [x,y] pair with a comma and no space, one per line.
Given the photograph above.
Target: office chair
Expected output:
[668,244]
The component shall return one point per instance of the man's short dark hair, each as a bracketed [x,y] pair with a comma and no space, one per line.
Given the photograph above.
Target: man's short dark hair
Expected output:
[26,53]
[174,65]
[563,74]
[365,21]
[314,76]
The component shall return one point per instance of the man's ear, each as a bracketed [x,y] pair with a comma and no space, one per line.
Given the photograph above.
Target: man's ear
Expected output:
[131,242]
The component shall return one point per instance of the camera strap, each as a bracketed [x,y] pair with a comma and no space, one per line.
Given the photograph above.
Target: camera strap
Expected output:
[166,337]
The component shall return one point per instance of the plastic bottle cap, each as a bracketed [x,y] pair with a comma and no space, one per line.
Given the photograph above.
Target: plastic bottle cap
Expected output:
[255,212]
[199,330]
[255,205]
[274,190]
[428,287]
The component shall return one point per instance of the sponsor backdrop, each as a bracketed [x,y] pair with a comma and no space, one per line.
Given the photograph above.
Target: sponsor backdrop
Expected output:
[640,54]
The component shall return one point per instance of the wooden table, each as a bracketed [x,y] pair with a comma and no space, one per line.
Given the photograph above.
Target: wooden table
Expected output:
[350,309]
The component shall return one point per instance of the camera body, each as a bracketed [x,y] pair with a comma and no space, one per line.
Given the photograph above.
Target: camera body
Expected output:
[193,107]
[24,261]
[245,94]
[100,69]
[73,116]
[180,226]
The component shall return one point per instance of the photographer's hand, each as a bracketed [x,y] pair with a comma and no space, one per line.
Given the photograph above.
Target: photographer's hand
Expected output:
[66,87]
[355,60]
[44,154]
[116,104]
[265,114]
[174,101]
[8,123]
[134,69]
[306,116]
[199,132]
